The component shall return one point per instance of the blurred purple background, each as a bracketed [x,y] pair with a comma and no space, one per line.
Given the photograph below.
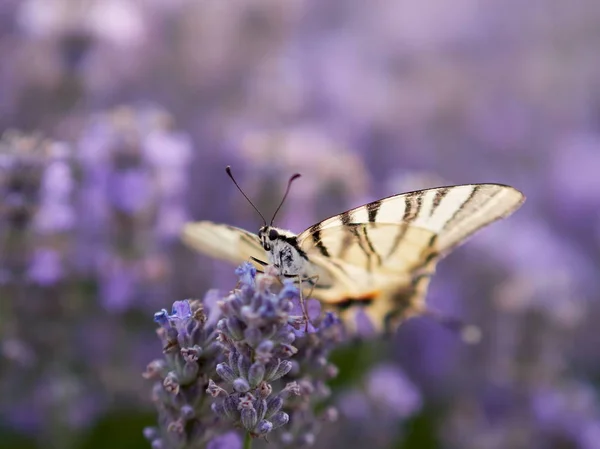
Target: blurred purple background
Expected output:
[119,116]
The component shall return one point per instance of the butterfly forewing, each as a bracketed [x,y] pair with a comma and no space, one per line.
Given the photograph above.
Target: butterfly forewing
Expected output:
[452,213]
[223,242]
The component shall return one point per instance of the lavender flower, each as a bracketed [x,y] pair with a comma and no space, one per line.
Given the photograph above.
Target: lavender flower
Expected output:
[134,182]
[257,336]
[253,359]
[311,372]
[191,351]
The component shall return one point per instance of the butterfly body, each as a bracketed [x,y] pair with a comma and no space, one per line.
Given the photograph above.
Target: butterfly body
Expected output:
[283,252]
[378,257]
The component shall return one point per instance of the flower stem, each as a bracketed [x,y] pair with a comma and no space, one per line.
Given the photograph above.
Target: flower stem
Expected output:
[247,441]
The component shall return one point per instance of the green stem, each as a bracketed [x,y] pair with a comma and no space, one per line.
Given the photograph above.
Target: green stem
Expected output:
[247,441]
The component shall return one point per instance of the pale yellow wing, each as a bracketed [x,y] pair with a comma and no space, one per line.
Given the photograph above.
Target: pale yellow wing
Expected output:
[453,213]
[389,248]
[387,280]
[224,242]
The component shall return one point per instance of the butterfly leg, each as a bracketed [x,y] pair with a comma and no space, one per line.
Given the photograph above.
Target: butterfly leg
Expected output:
[312,281]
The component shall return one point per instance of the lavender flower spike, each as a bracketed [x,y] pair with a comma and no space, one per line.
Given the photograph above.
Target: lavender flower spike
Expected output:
[256,338]
[191,355]
[235,371]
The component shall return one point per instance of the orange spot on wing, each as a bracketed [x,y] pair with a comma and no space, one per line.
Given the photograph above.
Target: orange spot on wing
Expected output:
[362,300]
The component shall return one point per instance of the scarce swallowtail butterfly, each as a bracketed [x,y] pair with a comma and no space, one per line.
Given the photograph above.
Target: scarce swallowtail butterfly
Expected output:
[378,257]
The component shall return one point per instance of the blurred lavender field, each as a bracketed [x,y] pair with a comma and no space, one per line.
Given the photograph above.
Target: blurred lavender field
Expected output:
[119,116]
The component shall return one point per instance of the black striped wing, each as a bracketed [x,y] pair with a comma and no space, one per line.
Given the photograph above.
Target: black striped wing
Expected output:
[390,246]
[224,242]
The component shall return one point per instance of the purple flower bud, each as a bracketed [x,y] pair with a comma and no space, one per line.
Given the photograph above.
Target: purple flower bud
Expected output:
[218,409]
[322,390]
[331,371]
[225,372]
[243,366]
[285,336]
[306,387]
[189,373]
[222,325]
[230,440]
[248,418]
[264,351]
[160,394]
[307,439]
[230,406]
[256,373]
[264,427]
[253,336]
[330,320]
[295,371]
[162,319]
[150,433]
[331,414]
[274,404]
[287,438]
[225,307]
[180,317]
[235,328]
[246,272]
[155,370]
[241,385]
[250,316]
[235,304]
[290,290]
[279,419]
[271,367]
[171,383]
[261,408]
[181,310]
[284,367]
[233,361]
[187,412]
[157,444]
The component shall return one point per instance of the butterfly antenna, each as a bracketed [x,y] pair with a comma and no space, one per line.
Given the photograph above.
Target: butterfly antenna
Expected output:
[287,190]
[228,170]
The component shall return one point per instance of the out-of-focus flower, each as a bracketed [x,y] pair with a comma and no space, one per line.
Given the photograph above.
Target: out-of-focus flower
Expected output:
[375,411]
[135,178]
[36,181]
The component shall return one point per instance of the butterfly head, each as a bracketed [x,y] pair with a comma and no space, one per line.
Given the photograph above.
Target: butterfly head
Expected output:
[268,235]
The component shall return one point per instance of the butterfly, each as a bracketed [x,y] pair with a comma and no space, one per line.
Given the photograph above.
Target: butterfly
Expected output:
[378,257]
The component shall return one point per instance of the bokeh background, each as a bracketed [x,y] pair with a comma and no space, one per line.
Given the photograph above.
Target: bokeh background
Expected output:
[118,117]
